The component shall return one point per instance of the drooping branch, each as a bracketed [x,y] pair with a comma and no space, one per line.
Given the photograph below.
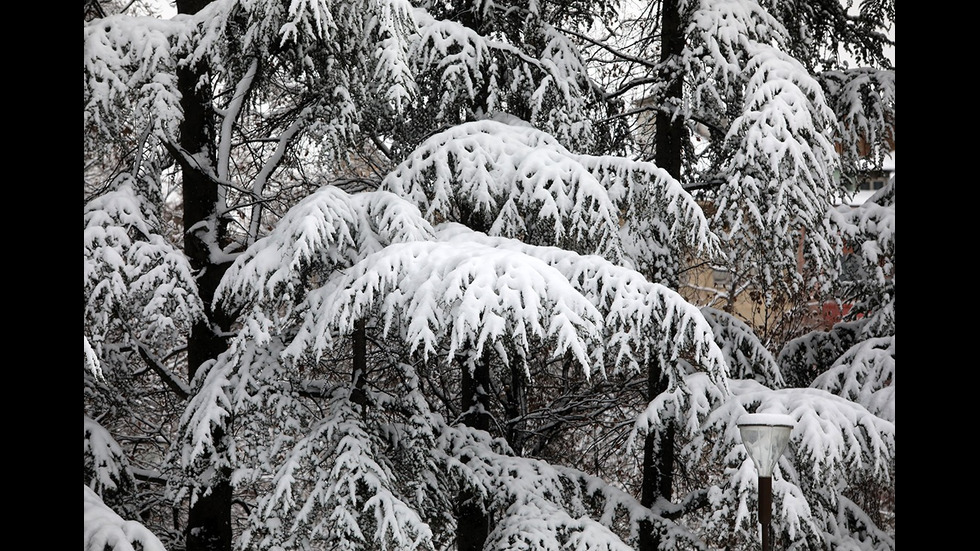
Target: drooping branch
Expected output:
[691,502]
[169,378]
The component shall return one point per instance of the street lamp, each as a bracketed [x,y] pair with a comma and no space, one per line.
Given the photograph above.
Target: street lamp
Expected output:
[765,436]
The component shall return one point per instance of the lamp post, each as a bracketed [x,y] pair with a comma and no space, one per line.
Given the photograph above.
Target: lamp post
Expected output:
[765,436]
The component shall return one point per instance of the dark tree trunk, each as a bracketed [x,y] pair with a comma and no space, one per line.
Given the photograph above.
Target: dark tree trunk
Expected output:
[359,375]
[658,462]
[658,447]
[473,521]
[670,130]
[516,409]
[209,519]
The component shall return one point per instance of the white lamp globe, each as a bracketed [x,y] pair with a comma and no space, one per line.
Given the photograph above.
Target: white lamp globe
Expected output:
[765,436]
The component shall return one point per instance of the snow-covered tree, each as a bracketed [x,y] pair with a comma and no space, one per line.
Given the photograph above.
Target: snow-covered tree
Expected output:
[474,58]
[752,107]
[748,103]
[375,274]
[230,93]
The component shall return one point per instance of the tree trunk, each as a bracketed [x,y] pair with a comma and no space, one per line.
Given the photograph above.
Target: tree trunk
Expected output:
[658,462]
[359,372]
[670,130]
[209,519]
[516,409]
[658,447]
[473,521]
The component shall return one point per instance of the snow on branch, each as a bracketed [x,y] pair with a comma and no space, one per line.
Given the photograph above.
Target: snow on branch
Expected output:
[92,363]
[466,64]
[209,409]
[354,50]
[854,529]
[689,403]
[336,485]
[779,186]
[657,215]
[131,270]
[833,439]
[537,505]
[107,531]
[784,134]
[864,100]
[745,354]
[241,383]
[374,34]
[463,294]
[780,177]
[328,230]
[457,53]
[725,31]
[870,231]
[833,436]
[642,321]
[511,180]
[865,374]
[105,461]
[130,70]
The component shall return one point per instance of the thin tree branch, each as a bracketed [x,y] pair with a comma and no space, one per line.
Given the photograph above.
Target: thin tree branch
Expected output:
[156,365]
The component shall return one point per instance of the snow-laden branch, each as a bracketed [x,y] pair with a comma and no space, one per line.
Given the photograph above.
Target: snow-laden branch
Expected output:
[864,100]
[235,385]
[779,187]
[833,436]
[512,180]
[509,179]
[92,363]
[105,461]
[537,505]
[467,295]
[784,142]
[131,63]
[483,72]
[107,531]
[130,70]
[642,321]
[338,486]
[834,439]
[726,30]
[870,231]
[745,355]
[131,270]
[659,220]
[228,117]
[865,374]
[373,33]
[328,230]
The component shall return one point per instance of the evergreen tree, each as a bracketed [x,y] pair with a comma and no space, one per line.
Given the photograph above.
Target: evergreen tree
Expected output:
[375,274]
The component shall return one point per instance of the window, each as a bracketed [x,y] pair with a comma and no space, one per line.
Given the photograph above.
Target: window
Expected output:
[721,278]
[872,184]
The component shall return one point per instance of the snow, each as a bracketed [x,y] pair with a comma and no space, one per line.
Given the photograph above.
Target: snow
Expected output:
[106,531]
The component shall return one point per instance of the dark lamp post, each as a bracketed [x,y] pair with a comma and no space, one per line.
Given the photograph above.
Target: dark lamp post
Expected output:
[765,436]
